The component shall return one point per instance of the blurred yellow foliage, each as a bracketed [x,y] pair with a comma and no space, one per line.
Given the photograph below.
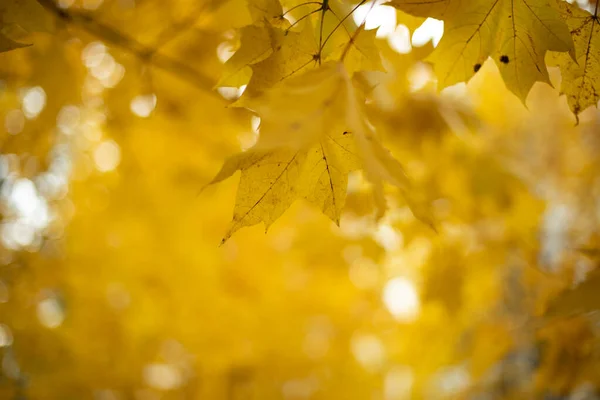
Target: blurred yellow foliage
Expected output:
[119,115]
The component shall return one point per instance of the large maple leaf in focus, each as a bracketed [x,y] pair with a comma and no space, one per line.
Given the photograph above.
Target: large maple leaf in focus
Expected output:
[516,34]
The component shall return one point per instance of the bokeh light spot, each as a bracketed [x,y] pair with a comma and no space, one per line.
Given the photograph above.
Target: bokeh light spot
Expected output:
[34,101]
[93,54]
[398,383]
[401,299]
[432,29]
[368,351]
[376,16]
[6,338]
[399,40]
[142,106]
[162,376]
[107,156]
[50,312]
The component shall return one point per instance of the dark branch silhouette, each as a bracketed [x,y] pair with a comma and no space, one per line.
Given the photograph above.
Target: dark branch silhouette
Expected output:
[145,53]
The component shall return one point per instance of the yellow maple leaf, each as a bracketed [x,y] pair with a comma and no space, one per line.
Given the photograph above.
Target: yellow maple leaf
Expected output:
[362,54]
[313,133]
[292,53]
[255,46]
[580,79]
[272,180]
[264,9]
[305,151]
[26,15]
[302,110]
[341,38]
[7,44]
[272,50]
[516,34]
[423,8]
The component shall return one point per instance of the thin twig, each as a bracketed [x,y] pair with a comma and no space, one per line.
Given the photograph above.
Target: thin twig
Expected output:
[177,29]
[301,5]
[132,46]
[360,29]
[322,46]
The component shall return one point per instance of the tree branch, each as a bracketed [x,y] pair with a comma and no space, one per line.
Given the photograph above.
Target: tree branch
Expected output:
[132,46]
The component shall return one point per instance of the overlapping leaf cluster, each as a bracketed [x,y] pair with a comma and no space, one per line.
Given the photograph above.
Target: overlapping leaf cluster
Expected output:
[124,294]
[285,42]
[301,108]
[516,35]
[313,129]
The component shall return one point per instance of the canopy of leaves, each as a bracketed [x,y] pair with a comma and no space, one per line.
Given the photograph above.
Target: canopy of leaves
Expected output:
[433,217]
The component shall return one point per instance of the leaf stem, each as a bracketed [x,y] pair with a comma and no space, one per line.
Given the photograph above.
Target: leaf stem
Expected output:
[321,46]
[300,5]
[356,33]
[302,18]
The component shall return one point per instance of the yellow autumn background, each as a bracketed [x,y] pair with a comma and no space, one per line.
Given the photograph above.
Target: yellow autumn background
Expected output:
[428,242]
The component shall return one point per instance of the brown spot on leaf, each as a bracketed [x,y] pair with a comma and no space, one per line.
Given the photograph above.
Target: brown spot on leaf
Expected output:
[504,59]
[476,67]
